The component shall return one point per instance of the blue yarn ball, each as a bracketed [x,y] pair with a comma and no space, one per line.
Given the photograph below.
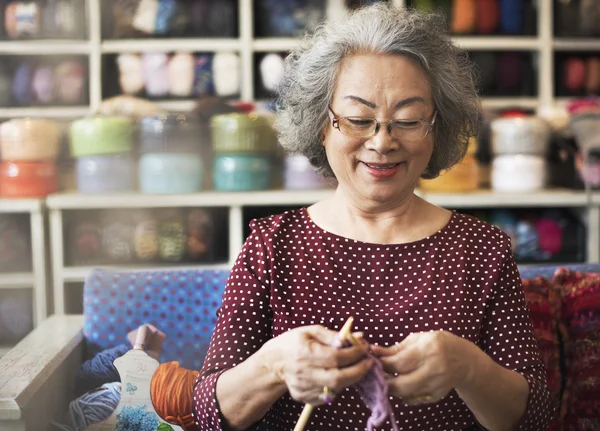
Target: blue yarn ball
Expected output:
[100,369]
[92,407]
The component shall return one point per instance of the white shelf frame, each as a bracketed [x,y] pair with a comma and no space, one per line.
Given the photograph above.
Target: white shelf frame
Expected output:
[37,279]
[61,203]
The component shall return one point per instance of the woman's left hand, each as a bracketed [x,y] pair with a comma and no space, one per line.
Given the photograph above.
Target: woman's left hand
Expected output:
[426,366]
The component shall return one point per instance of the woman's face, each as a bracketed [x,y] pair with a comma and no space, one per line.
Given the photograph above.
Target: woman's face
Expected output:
[381,168]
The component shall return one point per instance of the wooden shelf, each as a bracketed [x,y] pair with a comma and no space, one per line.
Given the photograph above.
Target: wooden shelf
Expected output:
[17,280]
[170,45]
[488,198]
[4,350]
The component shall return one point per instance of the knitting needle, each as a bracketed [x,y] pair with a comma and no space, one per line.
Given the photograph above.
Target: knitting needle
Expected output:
[344,333]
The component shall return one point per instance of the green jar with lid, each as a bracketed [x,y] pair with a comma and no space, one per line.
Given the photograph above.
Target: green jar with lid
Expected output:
[243,133]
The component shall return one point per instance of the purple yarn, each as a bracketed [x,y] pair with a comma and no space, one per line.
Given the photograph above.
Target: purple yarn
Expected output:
[373,391]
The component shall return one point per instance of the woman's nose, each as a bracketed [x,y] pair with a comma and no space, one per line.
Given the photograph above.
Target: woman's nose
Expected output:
[382,141]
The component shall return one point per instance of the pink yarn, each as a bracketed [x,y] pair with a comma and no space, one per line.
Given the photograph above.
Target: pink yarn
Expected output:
[373,391]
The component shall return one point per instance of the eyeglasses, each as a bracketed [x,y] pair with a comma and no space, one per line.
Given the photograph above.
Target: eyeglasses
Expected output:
[365,127]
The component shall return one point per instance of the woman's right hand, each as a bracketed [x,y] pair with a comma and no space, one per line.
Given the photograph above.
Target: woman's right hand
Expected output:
[305,360]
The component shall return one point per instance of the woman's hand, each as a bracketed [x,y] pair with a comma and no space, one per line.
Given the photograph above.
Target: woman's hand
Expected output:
[426,366]
[305,360]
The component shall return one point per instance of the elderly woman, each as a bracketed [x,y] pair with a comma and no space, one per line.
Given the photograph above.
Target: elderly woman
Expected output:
[377,100]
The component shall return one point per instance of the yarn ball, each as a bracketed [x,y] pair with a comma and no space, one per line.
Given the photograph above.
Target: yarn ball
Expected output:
[181,74]
[131,74]
[511,16]
[42,84]
[488,16]
[70,80]
[145,16]
[92,407]
[271,71]
[21,89]
[164,15]
[226,73]
[170,391]
[574,74]
[100,369]
[464,16]
[156,73]
[203,76]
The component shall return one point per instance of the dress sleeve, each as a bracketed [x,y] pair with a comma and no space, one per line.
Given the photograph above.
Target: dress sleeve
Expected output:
[508,338]
[243,326]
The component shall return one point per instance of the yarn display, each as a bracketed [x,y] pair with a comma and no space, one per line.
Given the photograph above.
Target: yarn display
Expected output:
[51,19]
[93,407]
[99,370]
[577,75]
[173,18]
[45,80]
[180,75]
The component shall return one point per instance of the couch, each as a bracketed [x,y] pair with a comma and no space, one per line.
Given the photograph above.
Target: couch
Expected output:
[37,376]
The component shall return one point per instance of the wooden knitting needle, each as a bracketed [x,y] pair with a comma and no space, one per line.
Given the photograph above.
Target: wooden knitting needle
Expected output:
[345,333]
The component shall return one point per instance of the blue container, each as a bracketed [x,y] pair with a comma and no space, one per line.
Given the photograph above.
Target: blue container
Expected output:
[163,173]
[106,174]
[242,172]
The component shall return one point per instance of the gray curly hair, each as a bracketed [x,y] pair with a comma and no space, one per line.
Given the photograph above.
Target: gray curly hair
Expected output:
[306,88]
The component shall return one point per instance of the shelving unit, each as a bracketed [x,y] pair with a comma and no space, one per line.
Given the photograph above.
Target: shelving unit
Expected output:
[61,204]
[543,45]
[36,280]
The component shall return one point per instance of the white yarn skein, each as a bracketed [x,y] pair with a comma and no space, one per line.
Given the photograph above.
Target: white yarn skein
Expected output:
[131,74]
[181,74]
[271,71]
[226,73]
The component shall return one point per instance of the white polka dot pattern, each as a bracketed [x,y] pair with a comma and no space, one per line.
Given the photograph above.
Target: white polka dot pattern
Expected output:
[291,273]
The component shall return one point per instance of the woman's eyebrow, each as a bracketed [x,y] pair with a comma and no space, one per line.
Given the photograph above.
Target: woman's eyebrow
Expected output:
[400,104]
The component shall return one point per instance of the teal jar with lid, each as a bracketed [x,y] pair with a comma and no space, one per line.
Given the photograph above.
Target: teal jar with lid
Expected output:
[242,172]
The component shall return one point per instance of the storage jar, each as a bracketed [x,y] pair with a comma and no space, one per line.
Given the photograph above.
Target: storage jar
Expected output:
[520,135]
[518,173]
[300,174]
[29,139]
[172,133]
[242,172]
[170,173]
[28,179]
[242,133]
[101,135]
[106,174]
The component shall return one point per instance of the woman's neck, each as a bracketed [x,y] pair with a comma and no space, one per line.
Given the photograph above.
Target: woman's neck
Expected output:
[403,221]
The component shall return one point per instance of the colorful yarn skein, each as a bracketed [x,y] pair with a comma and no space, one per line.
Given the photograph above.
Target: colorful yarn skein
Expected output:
[92,407]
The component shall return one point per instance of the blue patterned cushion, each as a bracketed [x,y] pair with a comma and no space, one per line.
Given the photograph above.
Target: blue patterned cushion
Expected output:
[182,304]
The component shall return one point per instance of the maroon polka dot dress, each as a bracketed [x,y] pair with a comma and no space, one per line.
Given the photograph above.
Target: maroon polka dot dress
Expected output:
[291,272]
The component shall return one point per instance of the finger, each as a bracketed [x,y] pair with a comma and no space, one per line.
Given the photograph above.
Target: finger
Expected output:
[321,356]
[341,378]
[406,361]
[321,334]
[411,385]
[381,351]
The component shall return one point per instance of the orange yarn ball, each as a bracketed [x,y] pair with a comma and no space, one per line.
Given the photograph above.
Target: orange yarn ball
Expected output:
[171,391]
